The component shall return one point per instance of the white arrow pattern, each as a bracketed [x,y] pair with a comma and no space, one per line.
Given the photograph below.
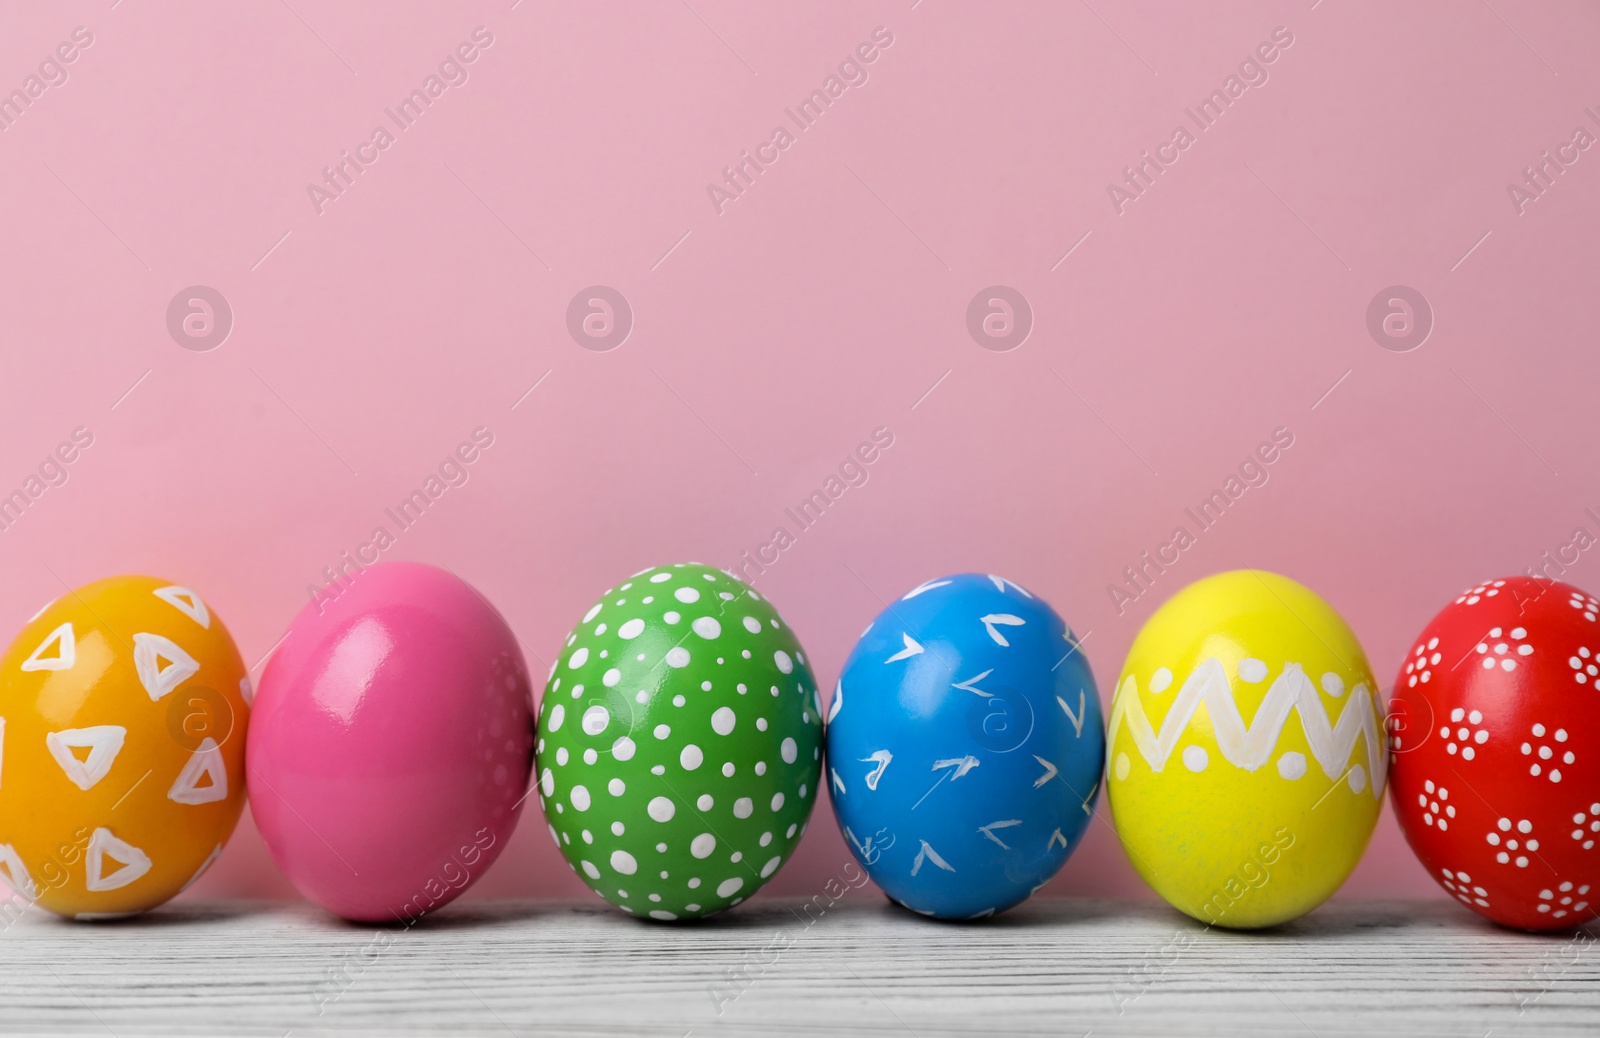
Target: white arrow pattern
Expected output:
[920,588]
[1000,584]
[929,854]
[1075,718]
[971,684]
[871,850]
[882,759]
[1049,772]
[913,648]
[995,625]
[961,764]
[1005,619]
[988,830]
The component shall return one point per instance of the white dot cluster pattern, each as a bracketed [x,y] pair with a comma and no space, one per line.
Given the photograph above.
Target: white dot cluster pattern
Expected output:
[1481,592]
[1499,693]
[1468,893]
[669,789]
[1584,667]
[1465,737]
[1548,752]
[1513,838]
[1436,810]
[1502,648]
[1563,899]
[1585,825]
[1420,664]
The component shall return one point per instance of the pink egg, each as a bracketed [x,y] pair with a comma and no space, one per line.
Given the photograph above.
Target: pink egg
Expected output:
[391,743]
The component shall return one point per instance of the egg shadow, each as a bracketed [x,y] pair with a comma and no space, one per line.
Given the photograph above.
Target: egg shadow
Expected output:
[458,915]
[1347,918]
[1034,912]
[170,915]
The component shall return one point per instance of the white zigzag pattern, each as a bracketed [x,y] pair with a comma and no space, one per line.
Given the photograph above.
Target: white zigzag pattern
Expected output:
[1251,747]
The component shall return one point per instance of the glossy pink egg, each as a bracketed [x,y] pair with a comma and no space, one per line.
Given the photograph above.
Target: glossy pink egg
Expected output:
[391,743]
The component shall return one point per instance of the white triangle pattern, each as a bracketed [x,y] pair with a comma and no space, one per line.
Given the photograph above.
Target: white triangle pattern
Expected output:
[205,760]
[104,742]
[66,653]
[16,873]
[186,602]
[148,652]
[247,691]
[102,845]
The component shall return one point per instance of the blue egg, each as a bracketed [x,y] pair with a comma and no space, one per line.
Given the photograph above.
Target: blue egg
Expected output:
[965,746]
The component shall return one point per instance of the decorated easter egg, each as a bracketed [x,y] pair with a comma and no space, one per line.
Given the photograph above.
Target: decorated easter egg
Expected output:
[122,747]
[680,743]
[1247,751]
[392,743]
[1495,726]
[964,746]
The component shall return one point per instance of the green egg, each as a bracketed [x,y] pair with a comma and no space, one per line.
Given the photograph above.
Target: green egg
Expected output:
[680,743]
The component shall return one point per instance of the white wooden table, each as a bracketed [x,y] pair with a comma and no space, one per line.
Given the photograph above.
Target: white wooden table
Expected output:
[1058,967]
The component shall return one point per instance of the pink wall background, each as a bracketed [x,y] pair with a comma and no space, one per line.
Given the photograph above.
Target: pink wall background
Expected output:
[827,301]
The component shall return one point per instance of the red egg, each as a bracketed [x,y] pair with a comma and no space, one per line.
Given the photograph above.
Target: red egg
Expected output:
[1496,742]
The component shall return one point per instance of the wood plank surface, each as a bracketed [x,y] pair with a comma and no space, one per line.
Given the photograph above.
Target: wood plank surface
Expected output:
[856,967]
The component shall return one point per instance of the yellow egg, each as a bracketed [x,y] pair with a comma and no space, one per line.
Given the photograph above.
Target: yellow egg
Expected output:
[123,708]
[1246,750]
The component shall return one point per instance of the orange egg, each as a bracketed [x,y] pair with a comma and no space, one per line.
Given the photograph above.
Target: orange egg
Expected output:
[123,709]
